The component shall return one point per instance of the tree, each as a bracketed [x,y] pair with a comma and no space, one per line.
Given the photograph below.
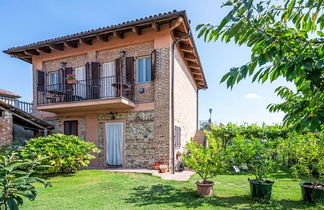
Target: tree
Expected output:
[286,41]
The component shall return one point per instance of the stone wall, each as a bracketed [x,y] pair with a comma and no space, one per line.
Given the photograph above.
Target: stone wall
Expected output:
[6,128]
[139,137]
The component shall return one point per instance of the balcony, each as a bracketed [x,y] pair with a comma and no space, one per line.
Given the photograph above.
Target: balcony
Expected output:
[105,93]
[22,105]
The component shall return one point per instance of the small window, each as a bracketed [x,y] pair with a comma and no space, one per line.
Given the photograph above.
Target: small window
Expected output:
[54,80]
[143,69]
[71,127]
[177,137]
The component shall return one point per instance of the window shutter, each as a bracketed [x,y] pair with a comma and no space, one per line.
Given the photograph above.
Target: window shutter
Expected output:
[118,69]
[153,64]
[71,127]
[95,79]
[130,70]
[61,73]
[40,80]
[88,80]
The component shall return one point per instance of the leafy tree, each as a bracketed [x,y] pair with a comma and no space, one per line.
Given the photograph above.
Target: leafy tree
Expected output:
[286,40]
[16,178]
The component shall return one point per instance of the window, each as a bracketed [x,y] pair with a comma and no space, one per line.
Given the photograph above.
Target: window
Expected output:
[143,69]
[54,80]
[71,127]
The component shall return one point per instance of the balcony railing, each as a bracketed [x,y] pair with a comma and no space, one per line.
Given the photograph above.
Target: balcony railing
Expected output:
[82,90]
[22,105]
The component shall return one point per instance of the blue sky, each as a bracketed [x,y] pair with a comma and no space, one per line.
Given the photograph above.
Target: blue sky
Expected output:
[23,22]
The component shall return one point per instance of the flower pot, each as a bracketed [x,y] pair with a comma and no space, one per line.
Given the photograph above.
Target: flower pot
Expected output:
[311,194]
[71,81]
[261,191]
[163,170]
[205,188]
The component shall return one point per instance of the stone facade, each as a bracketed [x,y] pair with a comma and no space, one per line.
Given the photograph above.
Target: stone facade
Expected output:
[6,128]
[139,137]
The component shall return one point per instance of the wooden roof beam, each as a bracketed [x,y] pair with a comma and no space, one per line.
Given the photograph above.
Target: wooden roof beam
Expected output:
[45,49]
[186,48]
[156,26]
[87,40]
[193,65]
[175,23]
[103,37]
[137,30]
[189,56]
[57,47]
[20,55]
[31,52]
[71,44]
[119,34]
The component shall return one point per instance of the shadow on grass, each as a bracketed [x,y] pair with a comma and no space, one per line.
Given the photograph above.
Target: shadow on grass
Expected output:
[169,196]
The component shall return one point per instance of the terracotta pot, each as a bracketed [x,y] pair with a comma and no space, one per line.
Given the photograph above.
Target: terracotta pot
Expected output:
[156,167]
[205,189]
[71,81]
[164,170]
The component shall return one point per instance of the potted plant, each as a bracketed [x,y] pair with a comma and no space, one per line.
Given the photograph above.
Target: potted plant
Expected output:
[163,168]
[207,162]
[257,154]
[308,152]
[70,78]
[156,166]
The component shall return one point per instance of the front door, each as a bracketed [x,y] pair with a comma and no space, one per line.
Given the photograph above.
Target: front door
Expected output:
[114,140]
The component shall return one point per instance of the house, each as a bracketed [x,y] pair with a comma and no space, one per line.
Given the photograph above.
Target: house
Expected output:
[17,126]
[131,87]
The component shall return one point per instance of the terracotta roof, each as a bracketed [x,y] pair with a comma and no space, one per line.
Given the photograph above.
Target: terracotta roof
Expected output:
[9,94]
[187,46]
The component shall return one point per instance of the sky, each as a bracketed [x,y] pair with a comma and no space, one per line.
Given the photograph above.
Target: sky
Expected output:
[24,22]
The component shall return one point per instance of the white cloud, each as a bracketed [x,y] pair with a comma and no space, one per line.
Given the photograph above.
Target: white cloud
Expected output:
[252,96]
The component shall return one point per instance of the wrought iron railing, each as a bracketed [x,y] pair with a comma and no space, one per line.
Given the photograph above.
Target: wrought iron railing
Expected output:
[22,105]
[82,90]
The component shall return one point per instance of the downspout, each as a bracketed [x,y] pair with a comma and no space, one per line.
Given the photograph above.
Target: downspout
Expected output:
[172,98]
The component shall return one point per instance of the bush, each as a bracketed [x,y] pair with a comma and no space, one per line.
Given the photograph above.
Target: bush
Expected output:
[65,153]
[16,178]
[207,162]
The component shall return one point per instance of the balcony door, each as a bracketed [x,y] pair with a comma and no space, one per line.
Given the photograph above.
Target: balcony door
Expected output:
[80,76]
[108,79]
[114,141]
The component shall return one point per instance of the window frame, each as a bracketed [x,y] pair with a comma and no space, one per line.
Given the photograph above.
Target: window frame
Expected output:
[145,69]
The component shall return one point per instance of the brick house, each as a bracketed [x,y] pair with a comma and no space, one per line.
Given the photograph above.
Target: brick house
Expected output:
[136,85]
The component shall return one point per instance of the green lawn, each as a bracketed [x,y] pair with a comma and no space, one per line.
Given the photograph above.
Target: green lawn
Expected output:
[91,189]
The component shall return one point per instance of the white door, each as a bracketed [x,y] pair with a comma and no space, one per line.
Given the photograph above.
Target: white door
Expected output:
[80,87]
[108,78]
[114,140]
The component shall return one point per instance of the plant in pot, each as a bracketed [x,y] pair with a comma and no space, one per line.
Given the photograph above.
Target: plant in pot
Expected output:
[257,154]
[70,78]
[163,168]
[207,162]
[308,152]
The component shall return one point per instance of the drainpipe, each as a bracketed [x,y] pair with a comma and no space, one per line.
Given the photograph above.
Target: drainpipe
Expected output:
[172,97]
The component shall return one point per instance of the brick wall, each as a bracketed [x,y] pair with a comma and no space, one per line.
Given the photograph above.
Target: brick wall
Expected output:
[6,128]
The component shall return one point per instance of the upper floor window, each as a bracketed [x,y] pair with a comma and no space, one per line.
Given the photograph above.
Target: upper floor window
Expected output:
[144,69]
[54,80]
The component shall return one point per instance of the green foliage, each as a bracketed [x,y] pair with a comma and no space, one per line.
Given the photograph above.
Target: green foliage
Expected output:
[65,153]
[308,151]
[287,41]
[207,162]
[16,178]
[255,153]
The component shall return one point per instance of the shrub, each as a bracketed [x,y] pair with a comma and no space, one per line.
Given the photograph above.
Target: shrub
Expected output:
[207,162]
[16,178]
[65,153]
[255,153]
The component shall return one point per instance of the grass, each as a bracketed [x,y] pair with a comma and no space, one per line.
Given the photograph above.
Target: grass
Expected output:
[90,189]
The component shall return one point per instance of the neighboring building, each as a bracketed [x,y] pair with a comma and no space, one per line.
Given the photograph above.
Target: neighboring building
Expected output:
[121,99]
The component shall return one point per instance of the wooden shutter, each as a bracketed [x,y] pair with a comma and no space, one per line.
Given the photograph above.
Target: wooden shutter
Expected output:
[118,70]
[71,127]
[95,79]
[88,80]
[40,80]
[153,64]
[130,70]
[61,73]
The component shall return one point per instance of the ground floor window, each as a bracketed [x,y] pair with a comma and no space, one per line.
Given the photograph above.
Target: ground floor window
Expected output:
[71,127]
